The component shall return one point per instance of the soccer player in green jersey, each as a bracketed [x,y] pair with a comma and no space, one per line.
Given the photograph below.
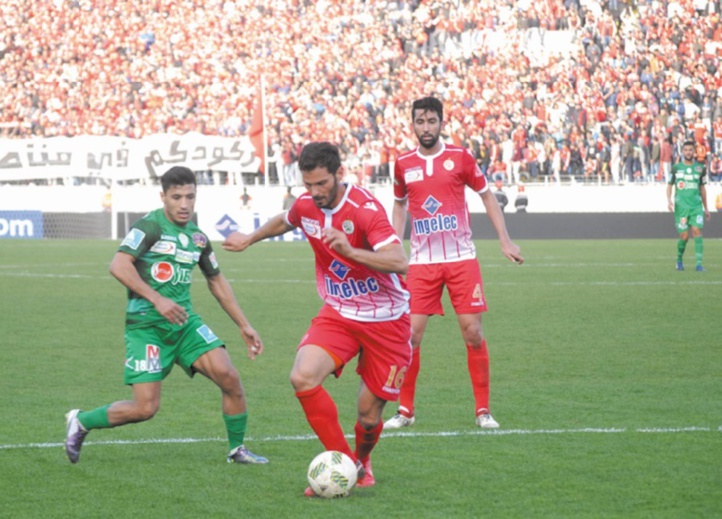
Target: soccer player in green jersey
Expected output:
[155,262]
[690,203]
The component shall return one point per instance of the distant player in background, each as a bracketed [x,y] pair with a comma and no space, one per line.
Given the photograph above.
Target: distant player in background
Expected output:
[688,178]
[358,261]
[155,262]
[429,184]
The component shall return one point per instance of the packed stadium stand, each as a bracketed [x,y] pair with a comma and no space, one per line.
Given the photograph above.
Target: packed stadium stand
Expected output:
[596,91]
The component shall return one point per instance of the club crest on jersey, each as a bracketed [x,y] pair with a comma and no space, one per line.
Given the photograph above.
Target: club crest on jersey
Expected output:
[415,174]
[311,227]
[431,205]
[183,239]
[680,184]
[199,240]
[448,164]
[347,226]
[339,269]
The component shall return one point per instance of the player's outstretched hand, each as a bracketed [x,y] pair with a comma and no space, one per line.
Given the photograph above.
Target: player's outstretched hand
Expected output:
[513,252]
[236,242]
[253,342]
[171,310]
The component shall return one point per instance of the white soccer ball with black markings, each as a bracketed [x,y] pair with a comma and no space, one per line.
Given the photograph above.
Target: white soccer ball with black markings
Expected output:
[332,474]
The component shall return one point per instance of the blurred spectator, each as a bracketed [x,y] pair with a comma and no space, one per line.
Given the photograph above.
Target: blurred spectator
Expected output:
[522,201]
[288,199]
[501,195]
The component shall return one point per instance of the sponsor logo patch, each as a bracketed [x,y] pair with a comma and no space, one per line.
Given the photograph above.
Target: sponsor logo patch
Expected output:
[162,271]
[415,174]
[431,205]
[339,269]
[351,287]
[184,256]
[207,334]
[163,247]
[183,239]
[133,239]
[311,227]
[152,359]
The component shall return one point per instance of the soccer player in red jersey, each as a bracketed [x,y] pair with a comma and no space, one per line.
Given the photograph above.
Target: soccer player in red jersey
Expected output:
[358,261]
[429,184]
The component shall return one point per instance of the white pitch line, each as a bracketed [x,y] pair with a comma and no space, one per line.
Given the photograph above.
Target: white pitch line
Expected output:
[311,281]
[398,434]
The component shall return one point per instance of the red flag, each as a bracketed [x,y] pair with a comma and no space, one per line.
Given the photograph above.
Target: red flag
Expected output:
[255,132]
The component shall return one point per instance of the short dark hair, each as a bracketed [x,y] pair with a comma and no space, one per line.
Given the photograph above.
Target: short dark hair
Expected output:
[430,104]
[689,143]
[320,155]
[177,176]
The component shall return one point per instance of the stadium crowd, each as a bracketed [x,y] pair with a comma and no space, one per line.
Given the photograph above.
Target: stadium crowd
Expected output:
[598,90]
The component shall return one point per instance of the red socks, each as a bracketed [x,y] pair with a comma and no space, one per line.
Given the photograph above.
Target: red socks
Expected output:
[408,389]
[322,416]
[477,360]
[366,440]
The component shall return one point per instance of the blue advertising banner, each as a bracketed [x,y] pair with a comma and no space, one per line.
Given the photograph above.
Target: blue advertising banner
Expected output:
[21,224]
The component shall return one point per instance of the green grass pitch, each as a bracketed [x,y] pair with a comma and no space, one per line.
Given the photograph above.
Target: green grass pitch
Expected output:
[606,379]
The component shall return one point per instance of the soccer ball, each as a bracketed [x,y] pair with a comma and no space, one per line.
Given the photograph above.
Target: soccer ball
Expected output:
[332,474]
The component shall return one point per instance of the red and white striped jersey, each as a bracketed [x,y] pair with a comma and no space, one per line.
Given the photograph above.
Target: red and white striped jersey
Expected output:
[435,189]
[355,291]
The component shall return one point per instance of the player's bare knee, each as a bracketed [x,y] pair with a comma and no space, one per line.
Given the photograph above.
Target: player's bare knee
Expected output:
[229,381]
[416,339]
[145,411]
[300,382]
[473,338]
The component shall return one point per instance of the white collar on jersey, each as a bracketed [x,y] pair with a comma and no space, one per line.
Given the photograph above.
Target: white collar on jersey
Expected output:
[336,209]
[432,157]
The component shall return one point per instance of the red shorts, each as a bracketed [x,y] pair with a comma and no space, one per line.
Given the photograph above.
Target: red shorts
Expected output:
[384,348]
[462,279]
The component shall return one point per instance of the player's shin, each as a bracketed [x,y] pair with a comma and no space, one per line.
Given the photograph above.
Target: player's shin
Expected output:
[322,416]
[95,419]
[408,390]
[366,440]
[477,360]
[236,429]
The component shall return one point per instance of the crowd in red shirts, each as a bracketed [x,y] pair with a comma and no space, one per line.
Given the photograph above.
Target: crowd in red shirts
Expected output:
[611,103]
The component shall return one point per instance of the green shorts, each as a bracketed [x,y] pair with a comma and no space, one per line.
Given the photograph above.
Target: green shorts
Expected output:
[151,351]
[684,218]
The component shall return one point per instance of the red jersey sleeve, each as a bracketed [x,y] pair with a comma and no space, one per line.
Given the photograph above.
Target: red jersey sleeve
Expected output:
[399,181]
[473,177]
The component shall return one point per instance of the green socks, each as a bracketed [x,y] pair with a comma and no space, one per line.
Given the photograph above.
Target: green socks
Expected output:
[95,419]
[236,427]
[698,249]
[681,245]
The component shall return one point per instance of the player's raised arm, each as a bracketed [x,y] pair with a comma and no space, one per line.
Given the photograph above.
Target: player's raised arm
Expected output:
[238,242]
